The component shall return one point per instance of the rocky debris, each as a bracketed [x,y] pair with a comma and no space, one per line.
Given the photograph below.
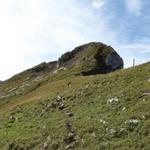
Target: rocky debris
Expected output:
[69,84]
[144,100]
[112,132]
[45,146]
[132,122]
[116,132]
[24,85]
[93,58]
[69,114]
[3,96]
[113,100]
[80,93]
[94,135]
[124,108]
[12,118]
[8,92]
[102,121]
[71,140]
[60,103]
[146,94]
[87,86]
[19,90]
[19,109]
[146,116]
[44,126]
[59,69]
[38,78]
[56,103]
[12,90]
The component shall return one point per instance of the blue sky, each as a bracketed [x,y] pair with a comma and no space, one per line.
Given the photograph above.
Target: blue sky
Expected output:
[33,31]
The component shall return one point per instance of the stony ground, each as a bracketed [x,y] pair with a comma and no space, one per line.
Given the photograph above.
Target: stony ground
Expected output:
[63,111]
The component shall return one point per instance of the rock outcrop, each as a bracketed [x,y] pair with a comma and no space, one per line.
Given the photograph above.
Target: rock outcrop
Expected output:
[88,59]
[92,58]
[44,67]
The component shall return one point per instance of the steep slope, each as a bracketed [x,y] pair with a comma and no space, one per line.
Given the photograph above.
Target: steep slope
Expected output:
[64,111]
[87,59]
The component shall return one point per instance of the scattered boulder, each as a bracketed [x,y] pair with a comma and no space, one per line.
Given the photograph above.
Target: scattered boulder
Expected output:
[93,135]
[69,114]
[146,94]
[113,100]
[132,122]
[12,118]
[69,84]
[146,116]
[124,108]
[70,138]
[112,132]
[102,121]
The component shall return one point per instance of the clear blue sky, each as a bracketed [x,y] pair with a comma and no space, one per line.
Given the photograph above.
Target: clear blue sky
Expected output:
[33,31]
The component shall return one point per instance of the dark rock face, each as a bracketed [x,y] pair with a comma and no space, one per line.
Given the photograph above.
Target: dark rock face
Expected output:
[114,61]
[92,58]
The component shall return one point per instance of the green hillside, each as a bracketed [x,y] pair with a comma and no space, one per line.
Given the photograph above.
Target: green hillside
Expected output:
[63,111]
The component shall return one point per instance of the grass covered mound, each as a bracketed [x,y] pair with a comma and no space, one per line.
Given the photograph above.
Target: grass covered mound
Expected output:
[98,112]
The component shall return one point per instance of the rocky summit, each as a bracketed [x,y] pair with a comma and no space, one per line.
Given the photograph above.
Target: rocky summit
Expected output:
[87,59]
[92,58]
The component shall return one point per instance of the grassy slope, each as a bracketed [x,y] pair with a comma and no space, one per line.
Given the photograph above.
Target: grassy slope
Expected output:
[28,122]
